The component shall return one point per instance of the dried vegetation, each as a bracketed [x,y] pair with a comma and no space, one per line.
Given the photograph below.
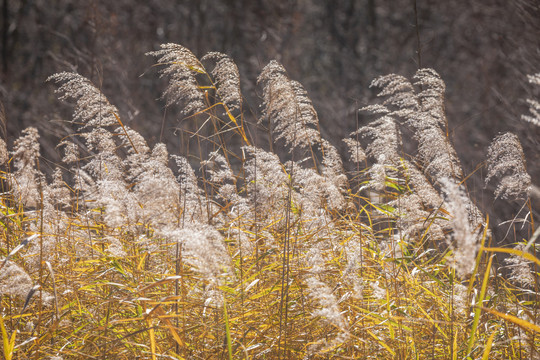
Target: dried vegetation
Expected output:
[129,252]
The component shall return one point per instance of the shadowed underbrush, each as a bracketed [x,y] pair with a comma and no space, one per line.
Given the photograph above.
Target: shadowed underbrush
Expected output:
[231,251]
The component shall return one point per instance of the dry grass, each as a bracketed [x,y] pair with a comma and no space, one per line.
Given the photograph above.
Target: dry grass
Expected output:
[128,253]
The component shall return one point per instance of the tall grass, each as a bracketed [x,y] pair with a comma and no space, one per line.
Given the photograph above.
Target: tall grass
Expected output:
[128,252]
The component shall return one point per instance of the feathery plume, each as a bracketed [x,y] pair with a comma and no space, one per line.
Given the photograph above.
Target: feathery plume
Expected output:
[24,181]
[26,149]
[414,209]
[115,248]
[356,152]
[327,301]
[534,105]
[466,237]
[193,196]
[506,162]
[266,179]
[520,268]
[421,186]
[132,140]
[377,174]
[461,304]
[397,88]
[57,193]
[92,108]
[378,292]
[218,168]
[204,249]
[181,66]
[424,112]
[414,220]
[383,147]
[429,121]
[317,193]
[120,206]
[431,96]
[156,188]
[286,104]
[437,153]
[353,252]
[385,139]
[4,154]
[330,312]
[227,79]
[14,281]
[102,143]
[332,165]
[71,152]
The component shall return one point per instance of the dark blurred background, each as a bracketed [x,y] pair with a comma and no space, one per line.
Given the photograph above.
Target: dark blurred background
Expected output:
[483,49]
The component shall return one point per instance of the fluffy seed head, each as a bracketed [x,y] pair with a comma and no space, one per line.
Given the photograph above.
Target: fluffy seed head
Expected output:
[92,108]
[286,104]
[181,66]
[534,105]
[227,79]
[506,162]
[520,268]
[465,235]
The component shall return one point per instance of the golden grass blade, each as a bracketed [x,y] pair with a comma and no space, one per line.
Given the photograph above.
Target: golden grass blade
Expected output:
[152,335]
[523,254]
[455,354]
[9,342]
[170,326]
[514,319]
[477,311]
[487,350]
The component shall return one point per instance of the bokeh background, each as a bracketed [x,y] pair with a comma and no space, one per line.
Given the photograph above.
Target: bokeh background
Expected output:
[483,49]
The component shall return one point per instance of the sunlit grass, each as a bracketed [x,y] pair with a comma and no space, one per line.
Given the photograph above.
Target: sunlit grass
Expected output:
[138,259]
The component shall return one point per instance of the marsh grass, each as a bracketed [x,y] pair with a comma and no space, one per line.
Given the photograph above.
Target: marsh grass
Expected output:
[131,253]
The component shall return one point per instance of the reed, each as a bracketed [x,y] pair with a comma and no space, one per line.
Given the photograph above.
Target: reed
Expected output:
[235,252]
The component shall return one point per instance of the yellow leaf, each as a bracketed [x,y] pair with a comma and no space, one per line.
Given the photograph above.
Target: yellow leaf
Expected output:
[488,345]
[524,324]
[523,254]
